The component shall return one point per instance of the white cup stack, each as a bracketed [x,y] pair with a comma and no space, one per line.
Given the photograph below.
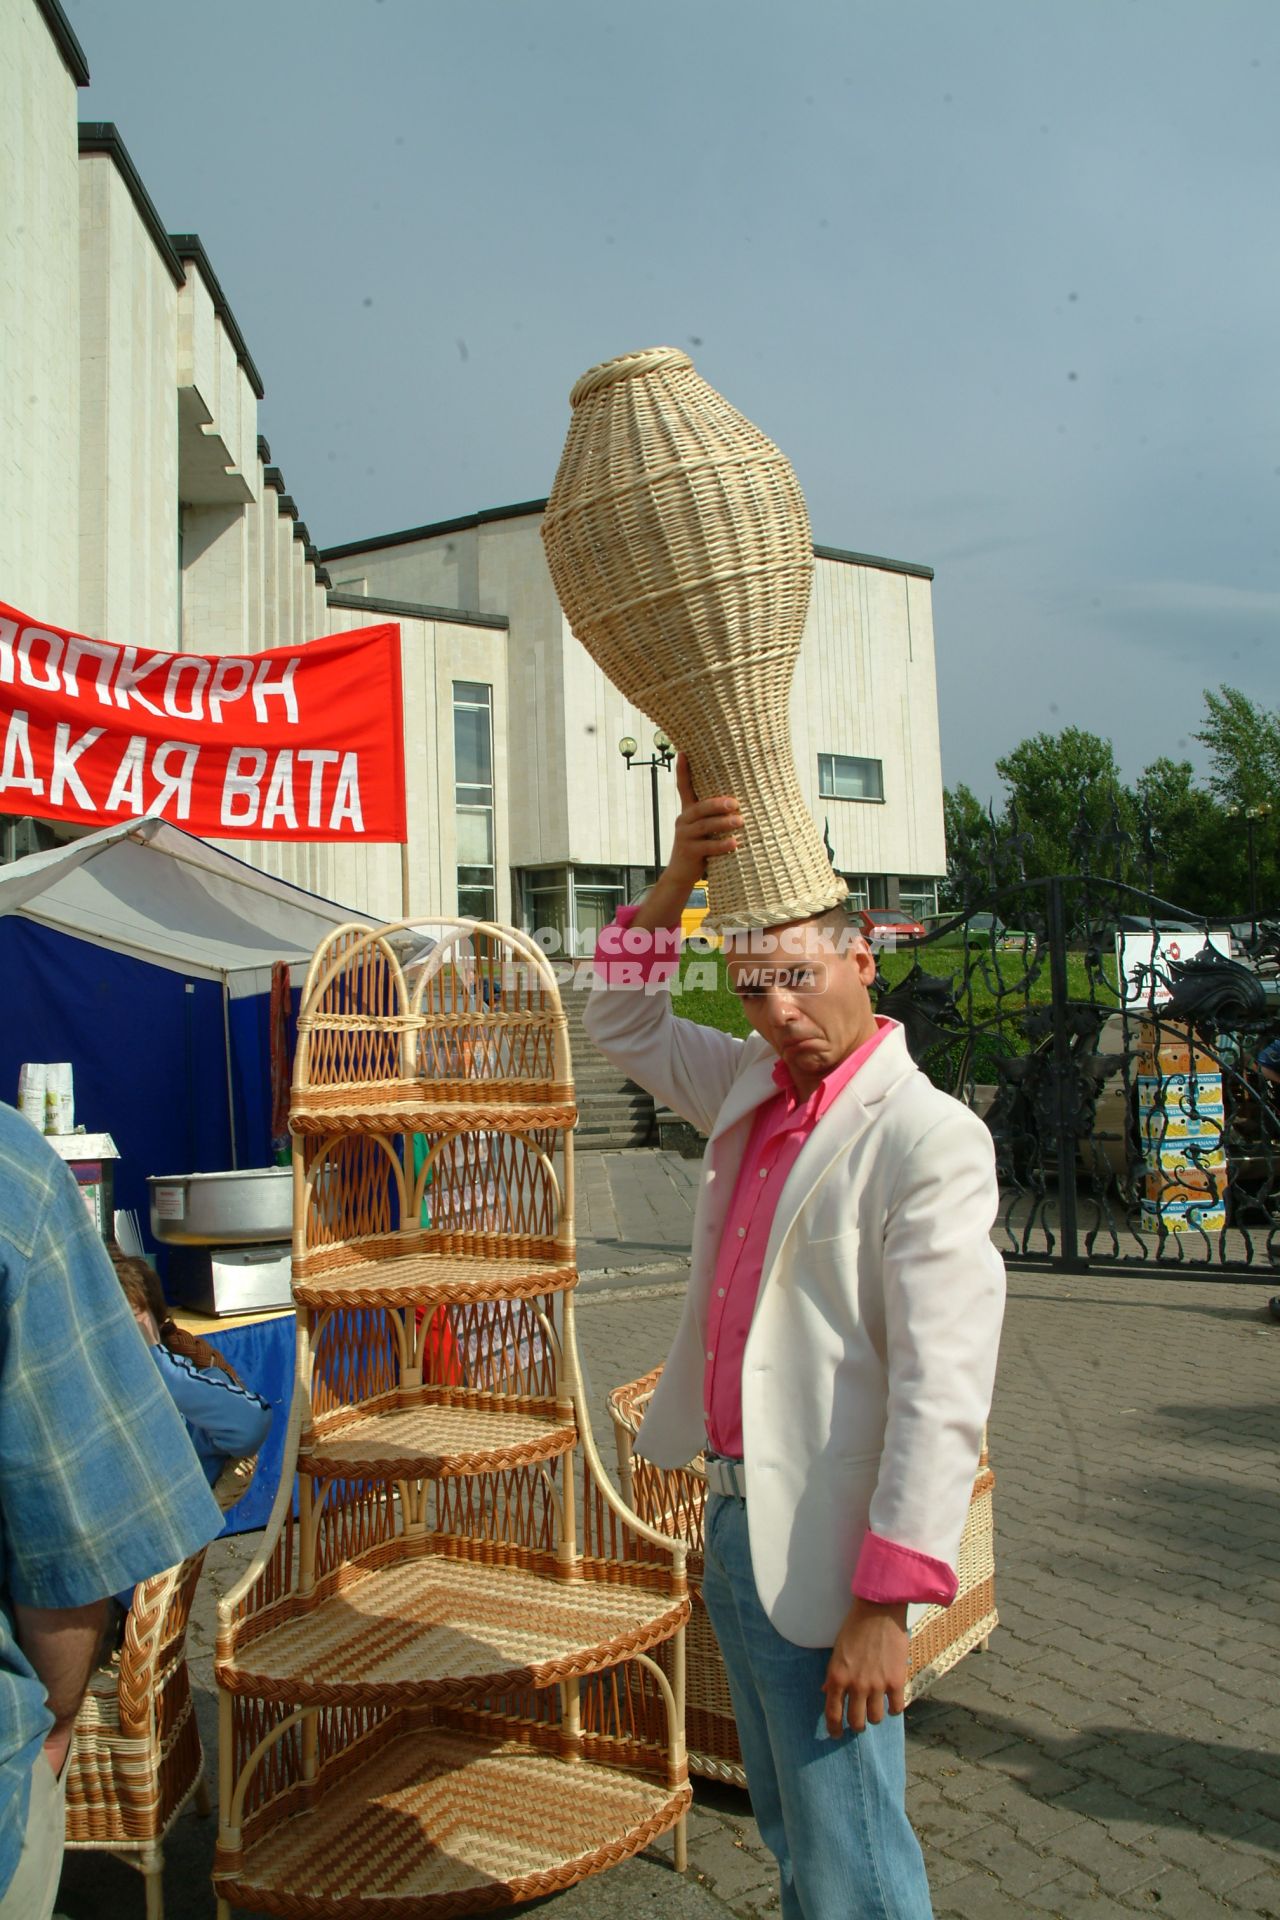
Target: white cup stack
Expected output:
[60,1099]
[46,1095]
[33,1084]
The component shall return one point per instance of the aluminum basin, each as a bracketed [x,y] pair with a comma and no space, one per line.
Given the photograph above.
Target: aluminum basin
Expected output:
[222,1209]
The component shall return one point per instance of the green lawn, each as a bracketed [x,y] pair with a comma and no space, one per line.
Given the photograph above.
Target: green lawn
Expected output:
[999,990]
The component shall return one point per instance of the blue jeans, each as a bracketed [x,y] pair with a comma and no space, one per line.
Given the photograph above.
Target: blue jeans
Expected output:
[832,1812]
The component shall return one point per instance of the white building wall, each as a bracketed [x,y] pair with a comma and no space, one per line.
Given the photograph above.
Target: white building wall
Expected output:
[255,515]
[432,572]
[299,595]
[865,686]
[510,578]
[268,514]
[218,579]
[617,829]
[128,418]
[39,322]
[215,388]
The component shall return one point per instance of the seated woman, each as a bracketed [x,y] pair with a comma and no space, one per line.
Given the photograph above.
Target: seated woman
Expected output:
[225,1419]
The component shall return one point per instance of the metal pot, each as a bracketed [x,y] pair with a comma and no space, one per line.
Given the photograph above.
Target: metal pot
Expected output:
[248,1206]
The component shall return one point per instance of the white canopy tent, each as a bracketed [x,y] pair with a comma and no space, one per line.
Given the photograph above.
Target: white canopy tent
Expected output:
[92,935]
[147,888]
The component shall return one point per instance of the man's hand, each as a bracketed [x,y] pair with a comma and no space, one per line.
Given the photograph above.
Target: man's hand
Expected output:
[62,1644]
[868,1662]
[705,829]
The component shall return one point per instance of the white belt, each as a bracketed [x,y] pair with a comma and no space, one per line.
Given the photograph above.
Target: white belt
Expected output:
[726,1476]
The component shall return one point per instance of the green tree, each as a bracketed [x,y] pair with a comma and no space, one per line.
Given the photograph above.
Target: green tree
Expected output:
[968,830]
[1188,841]
[1069,798]
[1243,739]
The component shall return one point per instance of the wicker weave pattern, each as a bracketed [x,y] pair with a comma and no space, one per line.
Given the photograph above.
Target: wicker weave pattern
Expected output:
[395,1278]
[431,1441]
[439,1628]
[136,1759]
[675,1501]
[474,1021]
[461,1604]
[679,544]
[504,1821]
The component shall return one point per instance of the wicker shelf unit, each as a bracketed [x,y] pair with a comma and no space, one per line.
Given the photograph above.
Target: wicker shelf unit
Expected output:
[438,1688]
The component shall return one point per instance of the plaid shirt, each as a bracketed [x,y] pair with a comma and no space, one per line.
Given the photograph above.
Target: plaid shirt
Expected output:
[99,1484]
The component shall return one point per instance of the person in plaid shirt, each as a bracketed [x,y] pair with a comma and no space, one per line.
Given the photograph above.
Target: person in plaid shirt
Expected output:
[99,1488]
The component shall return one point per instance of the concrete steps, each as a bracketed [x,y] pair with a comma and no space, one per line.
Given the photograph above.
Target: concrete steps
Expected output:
[612,1111]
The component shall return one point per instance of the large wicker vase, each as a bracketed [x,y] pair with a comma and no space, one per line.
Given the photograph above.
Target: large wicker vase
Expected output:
[679,544]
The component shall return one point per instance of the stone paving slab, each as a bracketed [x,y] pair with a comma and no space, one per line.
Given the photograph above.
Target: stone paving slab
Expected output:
[1117,1752]
[633,1209]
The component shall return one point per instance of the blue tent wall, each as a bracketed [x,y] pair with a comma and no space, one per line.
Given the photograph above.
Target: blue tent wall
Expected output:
[251,1073]
[148,1050]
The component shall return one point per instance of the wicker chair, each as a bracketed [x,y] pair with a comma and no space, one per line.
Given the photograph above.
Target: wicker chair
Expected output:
[673,1501]
[136,1758]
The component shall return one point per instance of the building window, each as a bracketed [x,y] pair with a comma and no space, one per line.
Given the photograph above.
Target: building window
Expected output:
[859,889]
[544,906]
[473,798]
[841,777]
[918,895]
[598,892]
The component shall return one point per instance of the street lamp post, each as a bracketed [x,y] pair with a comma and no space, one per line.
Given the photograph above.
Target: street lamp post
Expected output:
[1252,815]
[663,756]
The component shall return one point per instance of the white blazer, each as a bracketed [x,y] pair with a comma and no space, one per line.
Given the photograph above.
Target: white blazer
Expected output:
[869,1365]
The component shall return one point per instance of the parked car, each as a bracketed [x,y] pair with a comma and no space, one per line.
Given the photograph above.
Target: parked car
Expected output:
[984,930]
[694,912]
[887,926]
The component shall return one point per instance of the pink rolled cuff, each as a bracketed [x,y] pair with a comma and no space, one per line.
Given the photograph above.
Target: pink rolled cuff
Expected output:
[628,956]
[887,1574]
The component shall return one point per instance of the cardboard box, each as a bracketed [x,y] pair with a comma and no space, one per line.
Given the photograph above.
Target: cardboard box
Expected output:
[92,1157]
[1184,1217]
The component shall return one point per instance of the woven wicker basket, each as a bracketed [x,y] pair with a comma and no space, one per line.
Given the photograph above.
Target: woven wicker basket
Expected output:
[679,544]
[136,1759]
[674,1502]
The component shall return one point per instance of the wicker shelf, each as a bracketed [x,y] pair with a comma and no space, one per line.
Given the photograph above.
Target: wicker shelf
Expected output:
[440,1823]
[429,1443]
[437,1689]
[372,1109]
[415,1279]
[439,1628]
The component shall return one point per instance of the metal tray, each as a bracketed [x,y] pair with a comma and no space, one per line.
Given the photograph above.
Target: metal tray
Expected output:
[242,1208]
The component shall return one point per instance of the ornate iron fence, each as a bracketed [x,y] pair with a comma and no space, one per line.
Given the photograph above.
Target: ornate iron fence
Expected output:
[1110,1041]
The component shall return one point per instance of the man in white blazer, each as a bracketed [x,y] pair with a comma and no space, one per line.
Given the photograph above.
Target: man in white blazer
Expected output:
[835,1359]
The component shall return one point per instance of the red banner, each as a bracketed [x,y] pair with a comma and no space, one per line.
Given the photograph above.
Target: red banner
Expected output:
[297,743]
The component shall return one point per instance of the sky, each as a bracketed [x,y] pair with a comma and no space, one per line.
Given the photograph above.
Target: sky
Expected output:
[1000,279]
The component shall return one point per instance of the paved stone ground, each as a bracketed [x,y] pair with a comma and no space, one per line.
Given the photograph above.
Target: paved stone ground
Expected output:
[1118,1749]
[634,1209]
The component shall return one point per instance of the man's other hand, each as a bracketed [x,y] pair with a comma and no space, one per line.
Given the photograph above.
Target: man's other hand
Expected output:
[868,1665]
[704,830]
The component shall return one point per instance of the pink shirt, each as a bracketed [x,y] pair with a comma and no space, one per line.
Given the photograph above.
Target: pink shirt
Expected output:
[782,1125]
[886,1571]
